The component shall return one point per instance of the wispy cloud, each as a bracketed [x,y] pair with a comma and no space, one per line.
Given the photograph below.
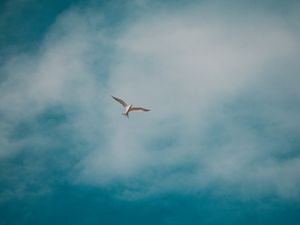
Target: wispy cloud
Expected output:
[222,92]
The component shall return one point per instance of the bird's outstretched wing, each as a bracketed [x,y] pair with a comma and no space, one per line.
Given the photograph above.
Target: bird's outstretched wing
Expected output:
[120,101]
[139,109]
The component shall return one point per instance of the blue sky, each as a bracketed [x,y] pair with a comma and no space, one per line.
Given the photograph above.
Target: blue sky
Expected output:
[220,145]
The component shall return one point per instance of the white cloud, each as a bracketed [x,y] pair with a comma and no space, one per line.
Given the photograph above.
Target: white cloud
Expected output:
[188,67]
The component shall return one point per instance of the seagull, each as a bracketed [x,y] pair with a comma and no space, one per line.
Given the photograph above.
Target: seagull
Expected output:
[129,108]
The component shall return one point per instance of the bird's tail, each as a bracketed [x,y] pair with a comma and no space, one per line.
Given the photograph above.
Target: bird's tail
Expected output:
[127,115]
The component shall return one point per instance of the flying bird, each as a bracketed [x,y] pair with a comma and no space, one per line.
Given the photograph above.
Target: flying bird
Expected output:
[129,108]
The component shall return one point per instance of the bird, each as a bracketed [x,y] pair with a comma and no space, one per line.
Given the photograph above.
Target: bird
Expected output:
[129,108]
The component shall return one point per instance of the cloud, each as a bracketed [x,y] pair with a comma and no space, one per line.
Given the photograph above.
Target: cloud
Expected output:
[218,99]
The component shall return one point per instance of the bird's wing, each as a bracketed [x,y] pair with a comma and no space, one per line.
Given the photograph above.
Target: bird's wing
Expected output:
[139,109]
[120,101]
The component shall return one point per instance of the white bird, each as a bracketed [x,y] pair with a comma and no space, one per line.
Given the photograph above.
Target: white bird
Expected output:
[129,108]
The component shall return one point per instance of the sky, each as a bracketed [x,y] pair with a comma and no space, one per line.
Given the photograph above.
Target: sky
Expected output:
[221,144]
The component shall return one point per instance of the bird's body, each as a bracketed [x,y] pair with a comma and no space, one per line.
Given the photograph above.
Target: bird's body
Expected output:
[129,108]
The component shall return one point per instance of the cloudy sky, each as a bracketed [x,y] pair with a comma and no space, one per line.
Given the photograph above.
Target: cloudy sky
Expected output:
[221,144]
